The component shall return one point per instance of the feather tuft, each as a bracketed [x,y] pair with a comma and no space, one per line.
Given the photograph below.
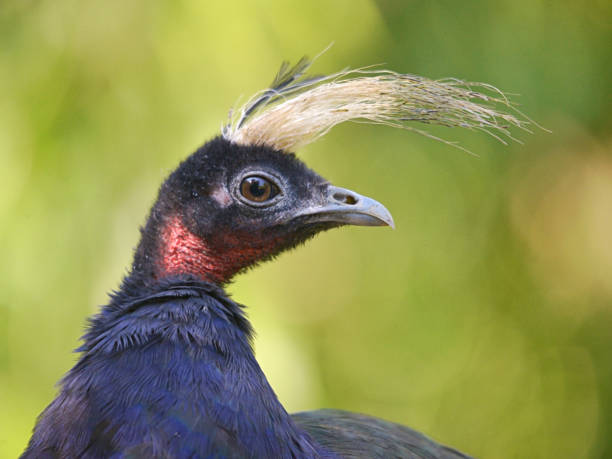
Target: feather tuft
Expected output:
[298,109]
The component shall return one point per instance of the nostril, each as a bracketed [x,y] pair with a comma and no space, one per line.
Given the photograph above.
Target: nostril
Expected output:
[345,198]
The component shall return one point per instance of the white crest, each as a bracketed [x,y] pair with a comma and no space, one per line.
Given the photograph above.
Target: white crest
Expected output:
[297,109]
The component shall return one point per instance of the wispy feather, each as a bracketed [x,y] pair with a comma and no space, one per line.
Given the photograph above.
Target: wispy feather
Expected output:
[298,109]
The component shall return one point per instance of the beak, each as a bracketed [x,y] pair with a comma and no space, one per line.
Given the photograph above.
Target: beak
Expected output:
[349,208]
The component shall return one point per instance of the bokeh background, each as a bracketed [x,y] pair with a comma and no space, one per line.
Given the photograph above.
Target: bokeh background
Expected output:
[483,320]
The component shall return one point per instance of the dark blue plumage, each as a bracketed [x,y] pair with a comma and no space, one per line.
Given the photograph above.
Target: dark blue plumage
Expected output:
[354,435]
[168,373]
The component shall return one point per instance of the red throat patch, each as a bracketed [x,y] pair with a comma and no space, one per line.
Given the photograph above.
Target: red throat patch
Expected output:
[182,252]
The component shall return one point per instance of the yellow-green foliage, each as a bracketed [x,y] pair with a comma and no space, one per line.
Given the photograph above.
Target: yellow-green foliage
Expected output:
[483,320]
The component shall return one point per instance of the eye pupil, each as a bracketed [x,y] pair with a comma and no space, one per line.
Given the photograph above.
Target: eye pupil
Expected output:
[258,189]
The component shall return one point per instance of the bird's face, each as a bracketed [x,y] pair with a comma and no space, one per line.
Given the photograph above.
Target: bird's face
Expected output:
[227,207]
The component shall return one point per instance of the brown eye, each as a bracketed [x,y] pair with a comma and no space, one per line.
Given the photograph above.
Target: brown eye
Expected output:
[258,189]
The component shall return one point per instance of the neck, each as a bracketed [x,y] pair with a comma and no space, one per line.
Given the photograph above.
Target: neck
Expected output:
[220,392]
[180,251]
[169,248]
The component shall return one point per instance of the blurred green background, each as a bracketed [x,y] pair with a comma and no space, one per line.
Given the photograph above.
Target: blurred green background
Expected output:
[484,320]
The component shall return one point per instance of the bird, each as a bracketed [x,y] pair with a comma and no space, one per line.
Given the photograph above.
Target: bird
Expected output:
[167,368]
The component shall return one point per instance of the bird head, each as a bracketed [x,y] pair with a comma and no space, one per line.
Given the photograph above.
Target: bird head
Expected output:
[229,206]
[243,197]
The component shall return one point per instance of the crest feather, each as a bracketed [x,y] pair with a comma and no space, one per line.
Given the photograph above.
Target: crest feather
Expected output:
[298,109]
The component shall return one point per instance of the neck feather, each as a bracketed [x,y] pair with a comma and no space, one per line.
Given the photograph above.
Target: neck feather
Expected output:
[220,396]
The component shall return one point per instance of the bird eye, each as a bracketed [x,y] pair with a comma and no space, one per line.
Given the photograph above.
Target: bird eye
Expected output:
[258,189]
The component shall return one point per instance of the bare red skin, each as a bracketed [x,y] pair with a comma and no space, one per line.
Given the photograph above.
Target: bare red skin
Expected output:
[182,252]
